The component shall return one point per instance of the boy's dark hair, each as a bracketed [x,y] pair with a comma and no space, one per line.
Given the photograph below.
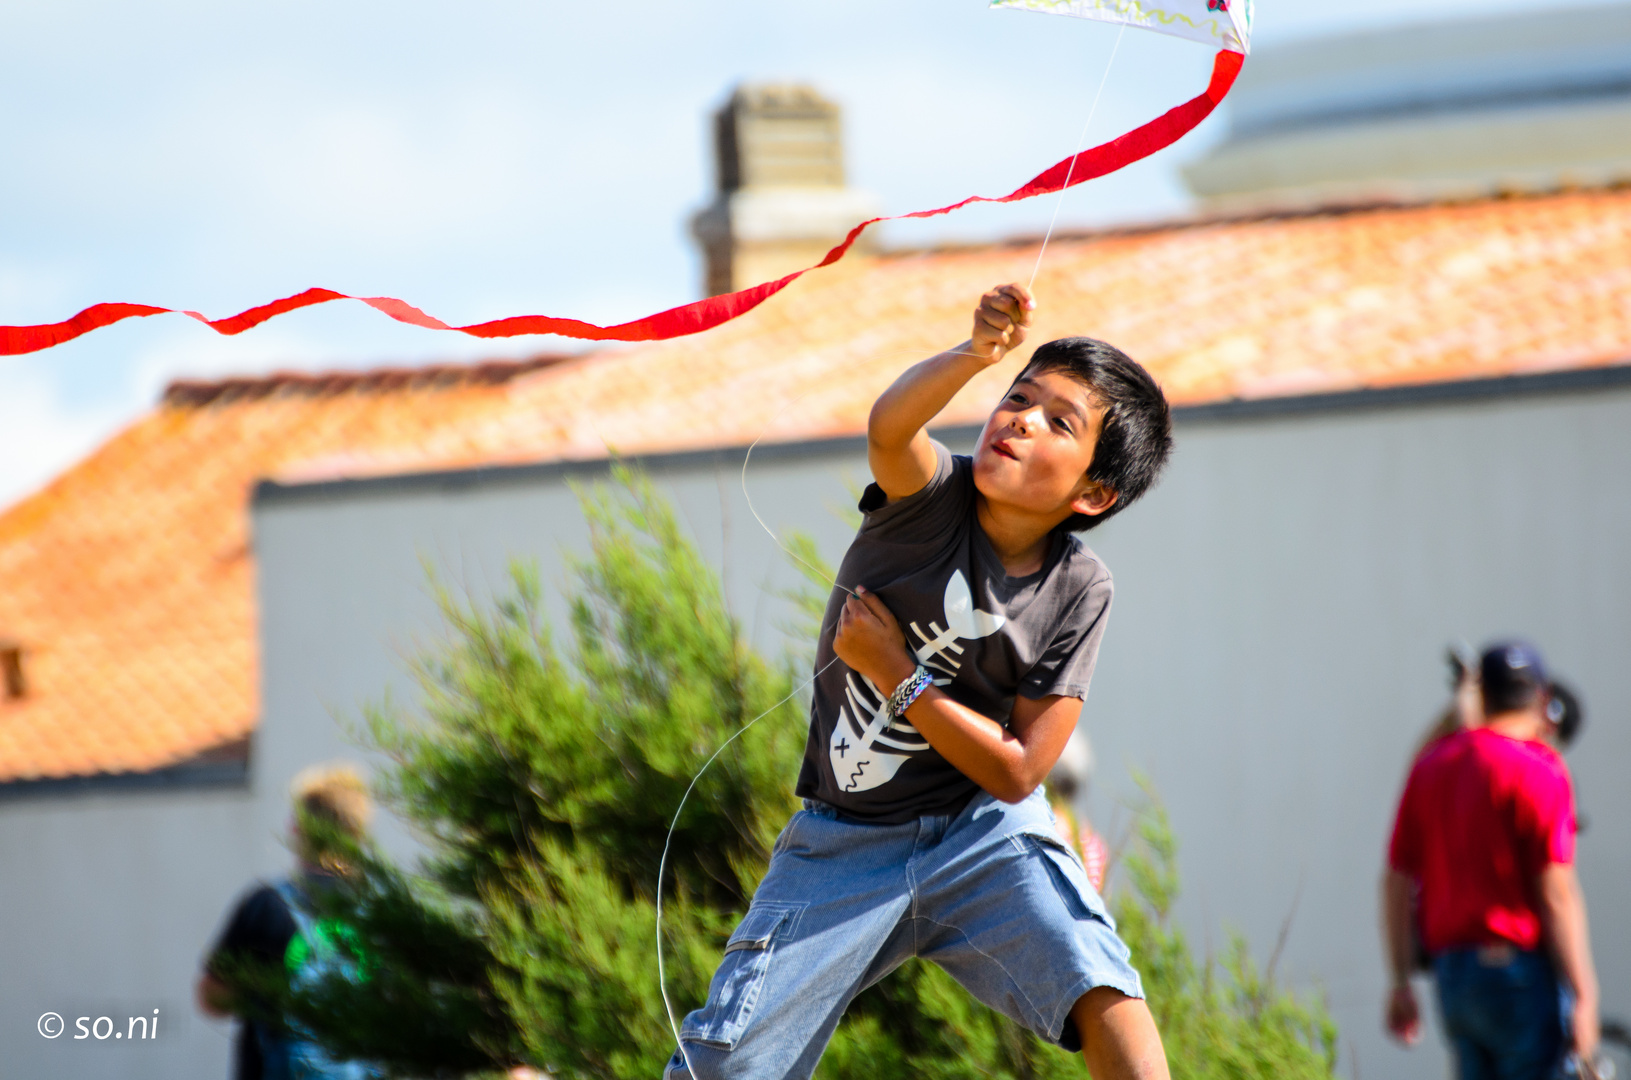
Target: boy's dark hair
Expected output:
[1136,439]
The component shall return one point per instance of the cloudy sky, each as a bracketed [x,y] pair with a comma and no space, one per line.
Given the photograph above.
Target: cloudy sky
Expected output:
[494,157]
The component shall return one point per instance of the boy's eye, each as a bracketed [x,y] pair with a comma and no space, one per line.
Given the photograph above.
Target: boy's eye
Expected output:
[1064,425]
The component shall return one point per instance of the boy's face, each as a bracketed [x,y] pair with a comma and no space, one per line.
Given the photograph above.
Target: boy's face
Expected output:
[1035,451]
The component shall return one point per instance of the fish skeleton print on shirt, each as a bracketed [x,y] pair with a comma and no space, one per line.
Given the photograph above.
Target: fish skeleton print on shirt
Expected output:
[985,637]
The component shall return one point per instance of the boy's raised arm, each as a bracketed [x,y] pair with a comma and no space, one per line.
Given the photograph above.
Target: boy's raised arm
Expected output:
[898,449]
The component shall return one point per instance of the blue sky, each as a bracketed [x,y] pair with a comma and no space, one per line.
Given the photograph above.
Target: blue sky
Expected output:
[492,158]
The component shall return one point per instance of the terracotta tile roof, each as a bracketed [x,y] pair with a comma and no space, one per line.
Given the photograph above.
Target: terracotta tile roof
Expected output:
[128,579]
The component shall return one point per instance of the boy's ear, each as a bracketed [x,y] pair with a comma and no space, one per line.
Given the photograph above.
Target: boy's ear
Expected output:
[1094,499]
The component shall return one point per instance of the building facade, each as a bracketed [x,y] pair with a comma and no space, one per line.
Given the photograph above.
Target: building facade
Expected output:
[1503,104]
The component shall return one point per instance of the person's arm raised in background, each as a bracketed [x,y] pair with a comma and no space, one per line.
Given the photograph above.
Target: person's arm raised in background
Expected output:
[897,446]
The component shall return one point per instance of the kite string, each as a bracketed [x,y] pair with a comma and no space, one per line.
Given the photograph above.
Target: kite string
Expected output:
[746,497]
[662,863]
[1074,154]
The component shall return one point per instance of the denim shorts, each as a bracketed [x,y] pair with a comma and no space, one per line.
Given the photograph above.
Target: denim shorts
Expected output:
[992,895]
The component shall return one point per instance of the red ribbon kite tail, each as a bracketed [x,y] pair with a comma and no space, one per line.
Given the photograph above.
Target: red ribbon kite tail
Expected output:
[690,318]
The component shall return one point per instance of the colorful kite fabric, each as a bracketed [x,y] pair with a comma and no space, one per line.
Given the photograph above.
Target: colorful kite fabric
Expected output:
[1222,24]
[700,315]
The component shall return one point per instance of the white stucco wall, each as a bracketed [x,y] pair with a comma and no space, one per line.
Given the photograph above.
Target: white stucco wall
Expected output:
[1283,605]
[1283,602]
[107,902]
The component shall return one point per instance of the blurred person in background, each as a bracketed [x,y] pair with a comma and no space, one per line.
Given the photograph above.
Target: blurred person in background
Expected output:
[1466,707]
[1466,710]
[1483,845]
[1566,713]
[275,925]
[1066,784]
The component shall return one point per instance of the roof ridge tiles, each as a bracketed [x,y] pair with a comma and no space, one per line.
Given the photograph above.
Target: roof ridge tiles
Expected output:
[196,393]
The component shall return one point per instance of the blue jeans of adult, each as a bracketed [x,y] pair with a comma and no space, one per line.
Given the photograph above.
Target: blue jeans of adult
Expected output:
[1503,1011]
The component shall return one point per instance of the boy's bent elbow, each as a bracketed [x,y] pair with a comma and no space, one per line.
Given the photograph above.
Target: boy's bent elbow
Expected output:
[1014,789]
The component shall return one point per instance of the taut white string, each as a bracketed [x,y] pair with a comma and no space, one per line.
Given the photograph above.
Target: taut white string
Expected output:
[785,550]
[662,863]
[1080,139]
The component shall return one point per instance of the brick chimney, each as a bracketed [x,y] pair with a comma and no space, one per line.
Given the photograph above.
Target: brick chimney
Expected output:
[782,201]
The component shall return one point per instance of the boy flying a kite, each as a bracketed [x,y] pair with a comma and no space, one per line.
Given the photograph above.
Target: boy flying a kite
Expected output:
[948,682]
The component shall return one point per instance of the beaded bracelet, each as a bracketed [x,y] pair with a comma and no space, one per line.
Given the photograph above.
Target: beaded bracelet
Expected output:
[908,691]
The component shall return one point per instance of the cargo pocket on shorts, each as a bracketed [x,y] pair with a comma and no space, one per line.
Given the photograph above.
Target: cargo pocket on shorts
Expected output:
[741,975]
[1068,874]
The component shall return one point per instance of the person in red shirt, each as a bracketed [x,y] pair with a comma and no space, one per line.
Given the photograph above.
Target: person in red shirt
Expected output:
[1484,844]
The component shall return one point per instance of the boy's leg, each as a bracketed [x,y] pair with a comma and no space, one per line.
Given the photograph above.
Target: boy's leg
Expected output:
[1006,908]
[826,922]
[1118,1036]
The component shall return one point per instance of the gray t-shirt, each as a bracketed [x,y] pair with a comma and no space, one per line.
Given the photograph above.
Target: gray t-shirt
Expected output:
[986,638]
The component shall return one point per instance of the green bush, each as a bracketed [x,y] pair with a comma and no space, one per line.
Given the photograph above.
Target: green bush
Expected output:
[544,779]
[1218,1021]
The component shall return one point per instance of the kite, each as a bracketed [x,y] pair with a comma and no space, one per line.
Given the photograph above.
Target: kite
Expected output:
[1226,24]
[1223,23]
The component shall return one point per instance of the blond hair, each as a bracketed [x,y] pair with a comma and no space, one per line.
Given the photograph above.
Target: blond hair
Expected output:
[333,793]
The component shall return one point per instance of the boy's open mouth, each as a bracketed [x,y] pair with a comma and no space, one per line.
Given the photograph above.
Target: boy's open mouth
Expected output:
[1000,446]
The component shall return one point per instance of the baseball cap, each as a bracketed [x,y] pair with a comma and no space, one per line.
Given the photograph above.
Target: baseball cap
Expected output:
[1510,667]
